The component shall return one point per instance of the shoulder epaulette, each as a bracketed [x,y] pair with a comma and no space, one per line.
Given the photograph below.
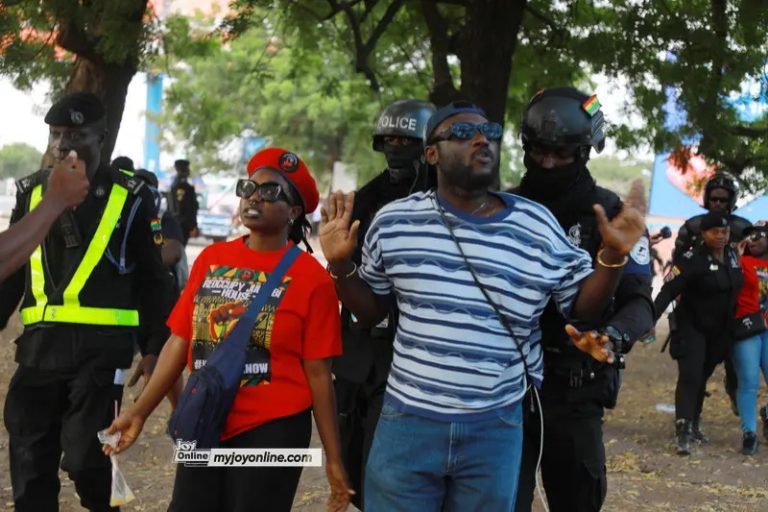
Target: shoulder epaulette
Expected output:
[26,184]
[128,180]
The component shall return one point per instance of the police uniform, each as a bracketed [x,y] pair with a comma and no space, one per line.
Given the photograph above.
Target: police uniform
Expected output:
[708,290]
[576,388]
[79,294]
[182,202]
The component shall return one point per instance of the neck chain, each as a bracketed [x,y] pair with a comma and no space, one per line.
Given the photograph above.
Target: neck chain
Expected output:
[482,205]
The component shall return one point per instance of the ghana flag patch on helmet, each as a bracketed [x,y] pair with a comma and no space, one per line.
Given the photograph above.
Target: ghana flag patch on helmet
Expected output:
[591,106]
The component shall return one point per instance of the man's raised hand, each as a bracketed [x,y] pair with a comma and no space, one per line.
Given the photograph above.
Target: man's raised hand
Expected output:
[338,234]
[626,228]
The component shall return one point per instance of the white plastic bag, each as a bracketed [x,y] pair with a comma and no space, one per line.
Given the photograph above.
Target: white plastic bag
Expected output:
[121,493]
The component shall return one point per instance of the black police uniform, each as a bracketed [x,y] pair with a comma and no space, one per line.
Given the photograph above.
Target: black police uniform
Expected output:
[69,380]
[708,290]
[182,202]
[576,388]
[361,371]
[689,236]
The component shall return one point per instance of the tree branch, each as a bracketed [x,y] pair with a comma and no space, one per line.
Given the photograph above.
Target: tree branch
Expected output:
[382,25]
[539,16]
[748,131]
[443,86]
[74,39]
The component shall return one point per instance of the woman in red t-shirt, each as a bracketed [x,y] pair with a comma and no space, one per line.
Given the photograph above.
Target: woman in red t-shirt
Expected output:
[287,370]
[750,355]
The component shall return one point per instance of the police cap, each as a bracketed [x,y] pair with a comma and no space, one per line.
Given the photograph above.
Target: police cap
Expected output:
[76,110]
[402,118]
[714,220]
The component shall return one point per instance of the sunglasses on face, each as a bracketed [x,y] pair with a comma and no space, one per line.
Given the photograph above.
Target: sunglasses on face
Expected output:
[465,131]
[758,235]
[269,191]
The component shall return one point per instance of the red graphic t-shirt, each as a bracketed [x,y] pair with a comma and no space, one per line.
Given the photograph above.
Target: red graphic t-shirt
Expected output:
[753,296]
[299,321]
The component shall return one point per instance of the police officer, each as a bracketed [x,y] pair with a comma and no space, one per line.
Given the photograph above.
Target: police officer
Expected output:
[707,277]
[182,200]
[559,128]
[79,294]
[361,372]
[720,195]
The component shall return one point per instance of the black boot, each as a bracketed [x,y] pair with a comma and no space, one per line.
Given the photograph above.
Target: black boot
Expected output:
[764,417]
[749,444]
[698,435]
[684,431]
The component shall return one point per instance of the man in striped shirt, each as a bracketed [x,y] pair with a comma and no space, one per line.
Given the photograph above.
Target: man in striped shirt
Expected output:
[471,272]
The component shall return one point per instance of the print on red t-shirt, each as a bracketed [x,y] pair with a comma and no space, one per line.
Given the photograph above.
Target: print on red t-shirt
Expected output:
[221,300]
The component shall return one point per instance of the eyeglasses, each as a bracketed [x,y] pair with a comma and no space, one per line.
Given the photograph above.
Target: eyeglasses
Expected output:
[464,131]
[269,191]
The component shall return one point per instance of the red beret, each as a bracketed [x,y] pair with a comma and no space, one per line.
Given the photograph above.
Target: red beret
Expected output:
[292,168]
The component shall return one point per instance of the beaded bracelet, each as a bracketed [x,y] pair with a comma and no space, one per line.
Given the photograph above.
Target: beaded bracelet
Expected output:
[350,274]
[612,265]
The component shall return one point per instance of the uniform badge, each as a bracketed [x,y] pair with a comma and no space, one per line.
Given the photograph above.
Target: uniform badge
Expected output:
[76,117]
[673,273]
[288,162]
[574,234]
[714,266]
[157,231]
[99,192]
[641,253]
[688,254]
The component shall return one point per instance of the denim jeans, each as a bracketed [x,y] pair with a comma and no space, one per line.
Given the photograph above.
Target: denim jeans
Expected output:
[417,463]
[749,357]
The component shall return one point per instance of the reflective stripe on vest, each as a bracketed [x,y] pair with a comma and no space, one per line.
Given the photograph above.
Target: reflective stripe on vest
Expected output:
[71,311]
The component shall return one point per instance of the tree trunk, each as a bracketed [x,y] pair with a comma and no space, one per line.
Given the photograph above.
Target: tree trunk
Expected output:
[487,44]
[110,83]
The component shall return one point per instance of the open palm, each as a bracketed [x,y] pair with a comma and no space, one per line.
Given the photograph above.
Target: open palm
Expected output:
[625,229]
[338,234]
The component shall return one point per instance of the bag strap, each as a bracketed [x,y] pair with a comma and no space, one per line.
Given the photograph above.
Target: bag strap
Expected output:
[242,331]
[503,319]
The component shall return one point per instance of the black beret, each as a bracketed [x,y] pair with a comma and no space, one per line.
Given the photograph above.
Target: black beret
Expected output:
[124,163]
[181,163]
[714,220]
[78,109]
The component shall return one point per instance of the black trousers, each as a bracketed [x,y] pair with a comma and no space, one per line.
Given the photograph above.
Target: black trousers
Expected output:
[573,460]
[47,412]
[359,407]
[701,353]
[248,489]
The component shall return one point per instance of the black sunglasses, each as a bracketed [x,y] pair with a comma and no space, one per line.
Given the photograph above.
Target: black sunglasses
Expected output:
[463,130]
[757,235]
[269,191]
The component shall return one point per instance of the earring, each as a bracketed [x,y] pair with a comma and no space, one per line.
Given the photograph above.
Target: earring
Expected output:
[290,221]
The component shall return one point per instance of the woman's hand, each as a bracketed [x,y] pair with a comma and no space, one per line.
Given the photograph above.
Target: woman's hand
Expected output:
[129,424]
[338,501]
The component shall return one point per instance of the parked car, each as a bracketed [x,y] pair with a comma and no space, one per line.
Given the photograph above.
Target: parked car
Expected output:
[216,226]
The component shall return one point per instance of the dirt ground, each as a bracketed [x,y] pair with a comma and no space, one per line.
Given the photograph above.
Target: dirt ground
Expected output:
[643,471]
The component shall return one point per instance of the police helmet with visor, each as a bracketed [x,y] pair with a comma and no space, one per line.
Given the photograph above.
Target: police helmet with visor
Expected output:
[402,118]
[564,120]
[725,182]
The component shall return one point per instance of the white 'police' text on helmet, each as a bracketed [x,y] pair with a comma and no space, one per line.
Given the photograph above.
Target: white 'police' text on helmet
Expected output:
[402,118]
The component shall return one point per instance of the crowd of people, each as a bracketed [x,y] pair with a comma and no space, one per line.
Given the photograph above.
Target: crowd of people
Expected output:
[483,331]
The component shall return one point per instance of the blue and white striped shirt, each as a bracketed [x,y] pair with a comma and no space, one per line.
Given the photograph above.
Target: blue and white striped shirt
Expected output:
[453,359]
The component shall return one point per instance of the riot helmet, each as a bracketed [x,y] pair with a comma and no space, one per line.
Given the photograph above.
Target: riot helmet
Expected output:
[564,117]
[726,182]
[403,119]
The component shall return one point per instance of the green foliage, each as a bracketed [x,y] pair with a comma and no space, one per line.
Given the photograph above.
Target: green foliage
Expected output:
[18,160]
[300,96]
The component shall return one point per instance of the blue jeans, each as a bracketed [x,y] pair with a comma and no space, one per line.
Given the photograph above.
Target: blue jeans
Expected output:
[749,357]
[417,463]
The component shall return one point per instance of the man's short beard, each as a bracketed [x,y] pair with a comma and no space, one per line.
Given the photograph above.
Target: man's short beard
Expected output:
[465,179]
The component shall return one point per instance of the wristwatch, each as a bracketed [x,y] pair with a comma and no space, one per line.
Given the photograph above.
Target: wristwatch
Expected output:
[621,343]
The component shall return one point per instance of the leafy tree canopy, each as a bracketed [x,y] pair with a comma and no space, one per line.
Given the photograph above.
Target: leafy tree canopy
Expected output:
[18,160]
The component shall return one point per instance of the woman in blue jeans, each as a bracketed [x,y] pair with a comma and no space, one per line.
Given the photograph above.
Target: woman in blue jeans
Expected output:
[750,355]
